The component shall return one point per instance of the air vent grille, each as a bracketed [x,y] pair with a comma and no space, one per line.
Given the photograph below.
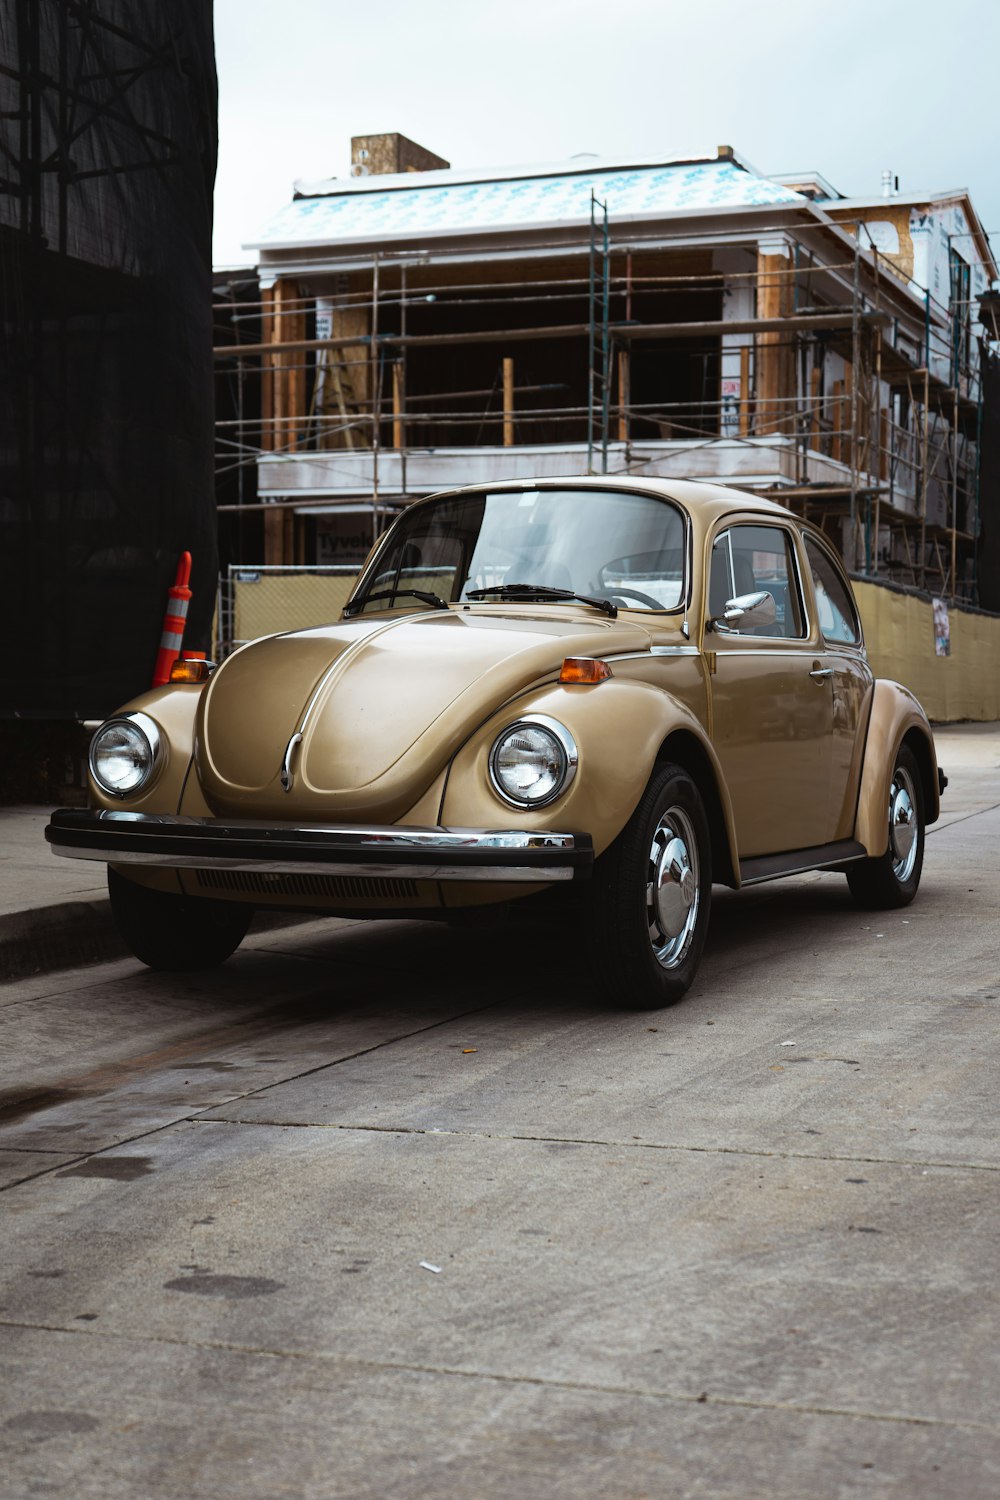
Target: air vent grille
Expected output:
[308,886]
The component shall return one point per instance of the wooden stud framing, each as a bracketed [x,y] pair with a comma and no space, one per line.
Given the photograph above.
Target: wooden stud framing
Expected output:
[744,390]
[398,406]
[623,396]
[837,412]
[508,403]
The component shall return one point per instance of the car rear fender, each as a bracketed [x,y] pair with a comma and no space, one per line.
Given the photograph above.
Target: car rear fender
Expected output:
[622,729]
[896,717]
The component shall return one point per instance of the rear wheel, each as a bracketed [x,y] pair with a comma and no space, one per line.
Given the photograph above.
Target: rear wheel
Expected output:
[891,879]
[651,895]
[175,933]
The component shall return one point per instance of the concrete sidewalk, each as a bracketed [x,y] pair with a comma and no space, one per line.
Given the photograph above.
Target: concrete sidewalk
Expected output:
[54,913]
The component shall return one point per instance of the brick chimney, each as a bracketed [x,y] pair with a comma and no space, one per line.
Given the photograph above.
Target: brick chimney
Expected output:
[376,155]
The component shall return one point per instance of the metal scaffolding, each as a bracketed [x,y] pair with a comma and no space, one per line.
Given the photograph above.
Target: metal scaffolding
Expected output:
[615,351]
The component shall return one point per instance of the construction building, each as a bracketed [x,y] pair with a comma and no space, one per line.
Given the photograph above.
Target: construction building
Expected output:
[413,327]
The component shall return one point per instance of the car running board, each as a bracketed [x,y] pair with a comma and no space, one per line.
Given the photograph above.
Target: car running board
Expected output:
[822,857]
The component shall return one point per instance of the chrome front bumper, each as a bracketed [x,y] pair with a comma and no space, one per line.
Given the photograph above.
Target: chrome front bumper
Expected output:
[159,840]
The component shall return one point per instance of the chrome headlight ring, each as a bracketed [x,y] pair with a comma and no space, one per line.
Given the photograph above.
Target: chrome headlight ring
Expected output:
[135,742]
[540,736]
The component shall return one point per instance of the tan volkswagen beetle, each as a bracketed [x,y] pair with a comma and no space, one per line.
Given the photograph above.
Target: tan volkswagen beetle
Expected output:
[624,690]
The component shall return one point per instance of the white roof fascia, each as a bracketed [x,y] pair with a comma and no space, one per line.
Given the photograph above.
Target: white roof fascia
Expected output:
[946,195]
[465,255]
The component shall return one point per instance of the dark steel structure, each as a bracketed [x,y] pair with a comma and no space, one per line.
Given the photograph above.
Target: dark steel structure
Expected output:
[108,143]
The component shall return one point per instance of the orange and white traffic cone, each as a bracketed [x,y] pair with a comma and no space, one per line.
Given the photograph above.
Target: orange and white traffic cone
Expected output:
[172,639]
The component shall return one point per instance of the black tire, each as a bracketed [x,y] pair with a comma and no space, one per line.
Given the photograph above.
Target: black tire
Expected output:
[891,879]
[648,948]
[175,933]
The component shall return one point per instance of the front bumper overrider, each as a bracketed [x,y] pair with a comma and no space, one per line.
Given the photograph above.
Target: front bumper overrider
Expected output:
[159,841]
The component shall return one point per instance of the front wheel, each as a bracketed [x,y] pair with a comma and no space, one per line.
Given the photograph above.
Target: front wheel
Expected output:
[651,895]
[891,879]
[175,933]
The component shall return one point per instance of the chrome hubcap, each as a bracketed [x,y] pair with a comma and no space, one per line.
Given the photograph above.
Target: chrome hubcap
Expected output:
[672,887]
[903,840]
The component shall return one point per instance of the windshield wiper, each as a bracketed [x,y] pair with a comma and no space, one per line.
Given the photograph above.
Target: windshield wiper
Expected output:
[526,591]
[421,594]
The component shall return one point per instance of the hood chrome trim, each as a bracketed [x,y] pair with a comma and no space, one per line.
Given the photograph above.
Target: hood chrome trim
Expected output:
[287,778]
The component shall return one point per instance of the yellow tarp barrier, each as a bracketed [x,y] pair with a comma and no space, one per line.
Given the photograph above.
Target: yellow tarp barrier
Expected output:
[287,601]
[899,634]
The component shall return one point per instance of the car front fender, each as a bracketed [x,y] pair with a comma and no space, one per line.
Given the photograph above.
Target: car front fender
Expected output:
[621,729]
[896,716]
[172,709]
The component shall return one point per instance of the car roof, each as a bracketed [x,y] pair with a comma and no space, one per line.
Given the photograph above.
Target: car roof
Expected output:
[708,501]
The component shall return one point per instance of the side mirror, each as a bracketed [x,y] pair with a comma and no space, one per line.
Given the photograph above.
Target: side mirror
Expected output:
[747,610]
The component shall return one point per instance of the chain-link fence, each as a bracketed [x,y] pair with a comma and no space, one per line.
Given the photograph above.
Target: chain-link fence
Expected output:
[256,601]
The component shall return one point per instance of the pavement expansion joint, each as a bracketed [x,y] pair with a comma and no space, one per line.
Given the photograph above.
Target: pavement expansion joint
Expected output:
[37,1150]
[963,818]
[592,1387]
[71,1161]
[617,1145]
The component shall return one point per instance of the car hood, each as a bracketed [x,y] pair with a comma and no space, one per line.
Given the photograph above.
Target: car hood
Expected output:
[382,704]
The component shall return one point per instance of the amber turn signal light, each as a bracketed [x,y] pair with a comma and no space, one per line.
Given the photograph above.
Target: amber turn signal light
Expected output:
[187,669]
[584,669]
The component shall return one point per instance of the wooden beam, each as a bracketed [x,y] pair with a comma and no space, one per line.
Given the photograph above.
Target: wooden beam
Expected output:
[267,371]
[623,396]
[776,324]
[775,356]
[274,536]
[398,407]
[836,437]
[508,403]
[715,328]
[289,376]
[398,340]
[815,375]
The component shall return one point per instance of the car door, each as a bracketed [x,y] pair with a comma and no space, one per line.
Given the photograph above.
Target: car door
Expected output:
[850,679]
[772,706]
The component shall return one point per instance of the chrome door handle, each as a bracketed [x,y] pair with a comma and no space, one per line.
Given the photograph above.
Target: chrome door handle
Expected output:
[820,674]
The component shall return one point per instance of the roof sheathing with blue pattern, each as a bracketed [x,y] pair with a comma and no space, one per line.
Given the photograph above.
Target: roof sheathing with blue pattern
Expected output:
[524,202]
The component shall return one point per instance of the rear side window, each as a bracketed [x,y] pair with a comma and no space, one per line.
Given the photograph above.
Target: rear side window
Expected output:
[838,618]
[746,559]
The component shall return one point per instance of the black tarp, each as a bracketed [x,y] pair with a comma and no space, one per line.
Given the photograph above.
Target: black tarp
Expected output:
[108,141]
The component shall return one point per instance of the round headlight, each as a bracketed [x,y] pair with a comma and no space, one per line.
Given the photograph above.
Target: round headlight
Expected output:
[532,761]
[123,754]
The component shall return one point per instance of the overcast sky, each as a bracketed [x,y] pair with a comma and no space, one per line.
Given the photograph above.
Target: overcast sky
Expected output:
[846,89]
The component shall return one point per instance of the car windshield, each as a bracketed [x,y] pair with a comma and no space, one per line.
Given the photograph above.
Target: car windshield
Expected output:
[625,548]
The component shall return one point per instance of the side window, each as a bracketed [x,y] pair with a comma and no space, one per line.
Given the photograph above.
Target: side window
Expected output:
[746,559]
[838,619]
